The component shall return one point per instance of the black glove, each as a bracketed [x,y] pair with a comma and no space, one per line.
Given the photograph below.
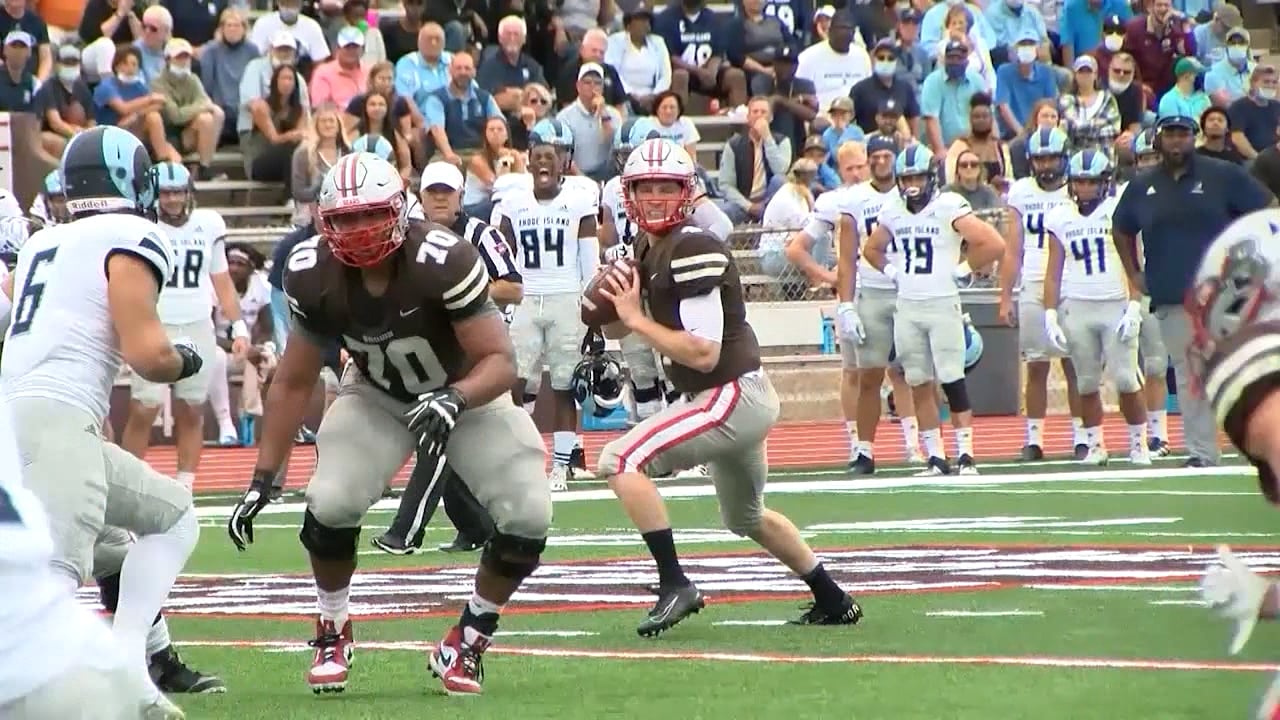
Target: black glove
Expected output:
[592,342]
[433,418]
[240,526]
[191,360]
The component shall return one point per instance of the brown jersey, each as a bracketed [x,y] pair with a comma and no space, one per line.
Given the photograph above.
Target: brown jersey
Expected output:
[687,263]
[402,341]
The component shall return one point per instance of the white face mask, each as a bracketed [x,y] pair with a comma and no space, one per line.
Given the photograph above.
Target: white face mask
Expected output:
[127,79]
[1026,54]
[1267,93]
[69,75]
[1113,42]
[179,71]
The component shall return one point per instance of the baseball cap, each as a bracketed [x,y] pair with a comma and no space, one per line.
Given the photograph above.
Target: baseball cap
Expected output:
[284,39]
[1227,14]
[19,37]
[442,173]
[176,47]
[1085,61]
[1181,122]
[1028,36]
[826,11]
[350,36]
[588,68]
[881,142]
[1237,33]
[889,106]
[956,47]
[842,103]
[910,15]
[885,43]
[1112,24]
[1187,65]
[68,53]
[814,142]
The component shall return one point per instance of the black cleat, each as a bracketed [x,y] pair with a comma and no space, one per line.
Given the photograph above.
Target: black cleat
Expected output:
[461,544]
[674,604]
[936,466]
[1158,447]
[862,465]
[965,465]
[1081,451]
[848,614]
[1197,462]
[172,675]
[1032,453]
[393,544]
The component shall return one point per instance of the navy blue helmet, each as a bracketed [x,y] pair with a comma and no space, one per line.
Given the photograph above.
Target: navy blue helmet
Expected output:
[107,170]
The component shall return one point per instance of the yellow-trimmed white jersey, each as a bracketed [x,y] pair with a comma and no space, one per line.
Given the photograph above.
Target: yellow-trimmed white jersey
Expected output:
[928,245]
[864,203]
[197,252]
[1091,268]
[1032,202]
[547,245]
[61,343]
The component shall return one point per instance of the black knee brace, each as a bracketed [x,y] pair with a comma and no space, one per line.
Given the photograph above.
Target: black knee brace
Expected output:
[512,557]
[528,398]
[328,543]
[957,396]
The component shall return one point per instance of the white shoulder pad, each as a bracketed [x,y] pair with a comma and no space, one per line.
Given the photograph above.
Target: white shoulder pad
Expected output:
[142,238]
[950,206]
[1057,217]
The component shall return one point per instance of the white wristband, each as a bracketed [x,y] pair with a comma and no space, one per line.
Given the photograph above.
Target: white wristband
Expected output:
[239,330]
[1051,316]
[1133,308]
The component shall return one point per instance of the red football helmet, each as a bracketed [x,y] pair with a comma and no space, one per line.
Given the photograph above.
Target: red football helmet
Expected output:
[362,209]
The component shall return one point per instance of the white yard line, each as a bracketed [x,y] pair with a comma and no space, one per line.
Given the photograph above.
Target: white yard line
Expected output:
[983,613]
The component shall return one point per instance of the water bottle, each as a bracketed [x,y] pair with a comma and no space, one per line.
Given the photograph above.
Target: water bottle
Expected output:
[828,335]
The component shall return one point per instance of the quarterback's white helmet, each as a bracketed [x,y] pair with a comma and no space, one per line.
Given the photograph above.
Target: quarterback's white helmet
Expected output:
[362,208]
[656,210]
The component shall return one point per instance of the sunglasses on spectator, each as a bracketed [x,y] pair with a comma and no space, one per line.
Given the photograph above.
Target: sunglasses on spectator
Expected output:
[537,101]
[969,165]
[1121,72]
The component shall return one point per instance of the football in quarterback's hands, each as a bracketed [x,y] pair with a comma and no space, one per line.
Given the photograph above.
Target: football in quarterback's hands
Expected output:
[598,310]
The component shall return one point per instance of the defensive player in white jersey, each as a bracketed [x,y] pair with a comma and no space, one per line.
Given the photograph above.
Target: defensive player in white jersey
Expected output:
[199,273]
[553,230]
[85,299]
[61,662]
[1091,313]
[50,205]
[244,265]
[867,319]
[1030,198]
[928,228]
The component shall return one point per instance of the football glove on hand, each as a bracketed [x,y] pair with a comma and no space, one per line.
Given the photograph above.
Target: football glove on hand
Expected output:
[891,271]
[1130,323]
[191,360]
[240,526]
[592,342]
[617,252]
[1053,329]
[1235,592]
[433,418]
[849,324]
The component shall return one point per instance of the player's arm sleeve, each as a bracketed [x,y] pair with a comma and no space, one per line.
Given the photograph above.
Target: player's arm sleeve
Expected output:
[708,216]
[1240,374]
[465,291]
[703,316]
[698,265]
[497,257]
[152,248]
[588,250]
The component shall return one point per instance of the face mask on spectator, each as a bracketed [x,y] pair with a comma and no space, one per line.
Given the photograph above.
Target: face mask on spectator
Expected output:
[68,74]
[289,15]
[179,70]
[127,79]
[886,68]
[1237,53]
[955,71]
[1026,54]
[1113,42]
[1267,93]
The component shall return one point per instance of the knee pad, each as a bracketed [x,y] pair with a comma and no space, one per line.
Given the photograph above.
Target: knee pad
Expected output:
[1128,382]
[1153,367]
[512,557]
[957,396]
[328,543]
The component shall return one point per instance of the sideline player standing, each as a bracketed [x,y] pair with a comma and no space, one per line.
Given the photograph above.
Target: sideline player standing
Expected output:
[85,296]
[199,271]
[1030,198]
[431,368]
[1100,315]
[697,319]
[928,228]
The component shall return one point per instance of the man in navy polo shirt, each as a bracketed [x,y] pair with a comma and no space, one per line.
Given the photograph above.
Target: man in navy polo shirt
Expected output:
[1179,207]
[887,82]
[17,83]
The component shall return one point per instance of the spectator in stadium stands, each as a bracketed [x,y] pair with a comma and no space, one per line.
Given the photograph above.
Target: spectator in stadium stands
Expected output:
[916,60]
[321,146]
[933,28]
[189,115]
[64,104]
[1124,87]
[1212,38]
[795,101]
[668,114]
[157,29]
[15,16]
[288,17]
[455,114]
[462,20]
[17,83]
[1044,116]
[482,169]
[196,21]
[343,77]
[592,123]
[578,17]
[1255,117]
[355,15]
[970,181]
[960,27]
[506,68]
[376,119]
[888,82]
[426,70]
[1186,98]
[641,59]
[594,44]
[1021,83]
[400,31]
[1086,24]
[259,73]
[836,65]
[815,150]
[1051,11]
[404,114]
[1090,115]
[944,97]
[223,64]
[755,39]
[1215,138]
[117,22]
[875,21]
[788,211]
[752,165]
[1156,41]
[1113,30]
[821,23]
[841,128]
[889,124]
[697,44]
[984,143]
[123,99]
[535,105]
[1012,20]
[1227,79]
[279,124]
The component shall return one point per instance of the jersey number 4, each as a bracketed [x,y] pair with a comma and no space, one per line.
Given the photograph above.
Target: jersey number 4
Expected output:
[187,274]
[414,363]
[552,242]
[1086,250]
[919,255]
[1034,223]
[32,291]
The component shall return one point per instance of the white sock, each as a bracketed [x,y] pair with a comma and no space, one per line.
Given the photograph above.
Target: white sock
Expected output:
[933,443]
[220,395]
[333,605]
[1078,435]
[1158,424]
[1136,435]
[1035,432]
[864,448]
[964,441]
[1093,436]
[562,446]
[188,479]
[158,637]
[479,606]
[910,435]
[150,569]
[851,428]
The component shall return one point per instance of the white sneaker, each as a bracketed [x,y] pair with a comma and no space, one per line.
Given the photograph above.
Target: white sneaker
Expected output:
[915,457]
[1139,454]
[693,473]
[162,709]
[1097,455]
[558,478]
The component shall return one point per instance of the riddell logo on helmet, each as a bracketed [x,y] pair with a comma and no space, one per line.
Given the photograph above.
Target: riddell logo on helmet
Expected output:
[90,204]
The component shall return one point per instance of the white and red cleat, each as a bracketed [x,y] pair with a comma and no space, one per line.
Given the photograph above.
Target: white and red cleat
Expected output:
[458,663]
[332,661]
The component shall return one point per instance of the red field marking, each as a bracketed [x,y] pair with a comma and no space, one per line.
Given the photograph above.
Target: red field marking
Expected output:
[802,444]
